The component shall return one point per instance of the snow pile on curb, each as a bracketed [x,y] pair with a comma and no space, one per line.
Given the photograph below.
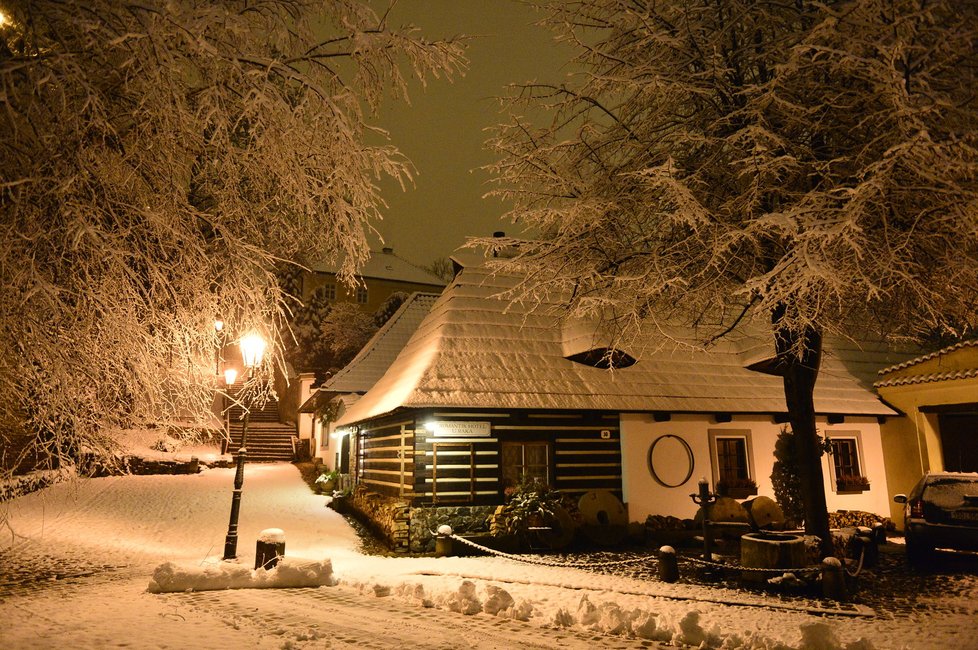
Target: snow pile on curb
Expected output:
[683,628]
[290,572]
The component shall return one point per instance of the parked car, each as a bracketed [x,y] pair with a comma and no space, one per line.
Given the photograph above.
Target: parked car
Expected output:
[941,511]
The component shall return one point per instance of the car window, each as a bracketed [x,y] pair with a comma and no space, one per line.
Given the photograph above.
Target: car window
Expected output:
[950,492]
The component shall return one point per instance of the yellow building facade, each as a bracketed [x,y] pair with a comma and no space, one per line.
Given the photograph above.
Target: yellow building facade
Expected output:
[938,393]
[384,274]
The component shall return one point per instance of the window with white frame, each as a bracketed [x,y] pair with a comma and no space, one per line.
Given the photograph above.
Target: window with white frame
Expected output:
[329,291]
[732,460]
[362,295]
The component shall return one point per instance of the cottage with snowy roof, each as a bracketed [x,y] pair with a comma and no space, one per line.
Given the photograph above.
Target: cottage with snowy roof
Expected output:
[487,391]
[325,405]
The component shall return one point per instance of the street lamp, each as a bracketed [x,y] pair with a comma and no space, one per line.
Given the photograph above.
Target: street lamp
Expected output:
[218,345]
[252,350]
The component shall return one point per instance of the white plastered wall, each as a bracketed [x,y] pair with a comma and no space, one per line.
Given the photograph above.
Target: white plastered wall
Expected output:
[645,496]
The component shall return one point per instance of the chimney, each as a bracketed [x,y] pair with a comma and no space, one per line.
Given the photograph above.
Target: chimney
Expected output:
[497,235]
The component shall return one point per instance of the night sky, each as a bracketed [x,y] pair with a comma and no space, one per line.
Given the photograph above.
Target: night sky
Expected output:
[442,131]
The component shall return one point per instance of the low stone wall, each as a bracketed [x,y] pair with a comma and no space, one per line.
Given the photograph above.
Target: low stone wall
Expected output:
[407,529]
[138,465]
[22,484]
[464,520]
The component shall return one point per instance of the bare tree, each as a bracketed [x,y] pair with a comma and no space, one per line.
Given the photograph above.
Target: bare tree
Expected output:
[442,268]
[810,166]
[157,158]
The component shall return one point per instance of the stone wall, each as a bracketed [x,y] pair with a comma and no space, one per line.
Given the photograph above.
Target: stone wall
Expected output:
[407,529]
[463,520]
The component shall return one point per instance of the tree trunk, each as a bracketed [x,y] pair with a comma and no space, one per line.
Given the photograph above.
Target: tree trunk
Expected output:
[799,372]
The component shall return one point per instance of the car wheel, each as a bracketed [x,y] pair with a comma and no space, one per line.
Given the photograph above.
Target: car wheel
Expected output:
[918,553]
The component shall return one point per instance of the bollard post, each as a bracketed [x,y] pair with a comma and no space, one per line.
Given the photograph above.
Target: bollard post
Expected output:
[443,541]
[668,564]
[269,548]
[833,579]
[879,533]
[867,546]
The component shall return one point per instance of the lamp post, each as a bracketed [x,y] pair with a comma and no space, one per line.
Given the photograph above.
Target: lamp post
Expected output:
[218,345]
[252,349]
[230,376]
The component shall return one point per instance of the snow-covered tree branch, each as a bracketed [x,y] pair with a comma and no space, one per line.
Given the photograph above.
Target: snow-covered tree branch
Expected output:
[157,159]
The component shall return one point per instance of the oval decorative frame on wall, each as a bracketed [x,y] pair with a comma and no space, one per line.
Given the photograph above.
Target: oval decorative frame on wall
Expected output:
[689,456]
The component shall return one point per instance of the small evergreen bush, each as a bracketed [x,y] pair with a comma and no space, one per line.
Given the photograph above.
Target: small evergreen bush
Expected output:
[785,479]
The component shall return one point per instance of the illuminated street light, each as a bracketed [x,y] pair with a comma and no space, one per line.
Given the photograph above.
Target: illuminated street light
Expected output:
[252,350]
[230,374]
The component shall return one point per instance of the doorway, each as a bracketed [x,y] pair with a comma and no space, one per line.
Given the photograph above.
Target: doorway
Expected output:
[959,441]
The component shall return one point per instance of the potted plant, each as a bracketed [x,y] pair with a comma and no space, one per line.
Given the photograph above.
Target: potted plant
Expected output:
[327,481]
[340,502]
[736,488]
[851,484]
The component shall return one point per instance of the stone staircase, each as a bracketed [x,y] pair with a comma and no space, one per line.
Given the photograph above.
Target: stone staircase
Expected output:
[268,439]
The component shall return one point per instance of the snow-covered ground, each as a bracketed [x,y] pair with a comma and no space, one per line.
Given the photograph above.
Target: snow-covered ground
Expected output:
[141,534]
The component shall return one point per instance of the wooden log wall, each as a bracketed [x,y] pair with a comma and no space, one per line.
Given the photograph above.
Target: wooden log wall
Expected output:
[584,453]
[386,455]
[403,456]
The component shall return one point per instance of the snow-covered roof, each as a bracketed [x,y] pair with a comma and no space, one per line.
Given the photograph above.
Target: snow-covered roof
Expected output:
[316,402]
[383,347]
[387,265]
[933,367]
[476,349]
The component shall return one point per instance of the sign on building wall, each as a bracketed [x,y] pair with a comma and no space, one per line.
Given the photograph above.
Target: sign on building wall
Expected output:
[459,429]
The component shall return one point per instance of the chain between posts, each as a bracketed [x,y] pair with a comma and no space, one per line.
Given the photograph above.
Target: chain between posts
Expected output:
[651,559]
[809,569]
[541,561]
[859,566]
[734,567]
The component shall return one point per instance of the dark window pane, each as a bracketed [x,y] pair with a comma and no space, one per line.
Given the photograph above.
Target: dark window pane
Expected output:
[521,459]
[732,459]
[845,458]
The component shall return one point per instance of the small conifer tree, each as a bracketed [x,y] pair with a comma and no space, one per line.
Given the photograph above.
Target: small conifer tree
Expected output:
[785,479]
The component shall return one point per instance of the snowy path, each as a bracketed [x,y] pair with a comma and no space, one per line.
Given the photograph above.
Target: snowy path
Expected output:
[347,619]
[76,560]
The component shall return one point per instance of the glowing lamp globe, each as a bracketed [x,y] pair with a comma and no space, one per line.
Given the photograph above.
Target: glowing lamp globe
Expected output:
[252,350]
